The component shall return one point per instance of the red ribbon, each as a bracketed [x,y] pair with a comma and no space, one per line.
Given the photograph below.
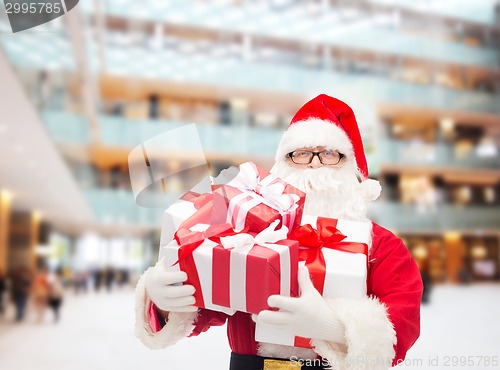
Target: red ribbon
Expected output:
[190,240]
[325,236]
[204,205]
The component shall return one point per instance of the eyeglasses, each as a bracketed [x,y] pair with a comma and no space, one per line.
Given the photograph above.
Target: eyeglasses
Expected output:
[326,157]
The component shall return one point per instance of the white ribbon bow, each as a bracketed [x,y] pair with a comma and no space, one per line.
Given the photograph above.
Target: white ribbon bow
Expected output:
[272,193]
[245,241]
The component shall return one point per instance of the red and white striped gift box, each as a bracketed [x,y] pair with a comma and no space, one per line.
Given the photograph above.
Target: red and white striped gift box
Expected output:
[254,198]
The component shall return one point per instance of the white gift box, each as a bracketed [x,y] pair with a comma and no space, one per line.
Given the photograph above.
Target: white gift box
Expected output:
[345,276]
[178,212]
[172,218]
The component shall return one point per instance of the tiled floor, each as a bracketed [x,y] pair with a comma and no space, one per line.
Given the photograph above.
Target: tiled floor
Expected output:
[461,325]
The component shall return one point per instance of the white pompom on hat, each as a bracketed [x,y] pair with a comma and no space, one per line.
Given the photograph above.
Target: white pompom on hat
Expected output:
[329,122]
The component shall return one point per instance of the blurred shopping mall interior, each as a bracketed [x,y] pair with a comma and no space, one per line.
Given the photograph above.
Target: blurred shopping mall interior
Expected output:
[79,93]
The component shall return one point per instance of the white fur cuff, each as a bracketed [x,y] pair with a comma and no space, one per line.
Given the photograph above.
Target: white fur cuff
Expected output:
[179,325]
[370,336]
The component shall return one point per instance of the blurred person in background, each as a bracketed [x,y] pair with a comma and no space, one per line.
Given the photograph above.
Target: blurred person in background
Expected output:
[80,282]
[320,154]
[3,289]
[56,292]
[109,278]
[97,275]
[20,290]
[45,89]
[122,277]
[40,292]
[426,281]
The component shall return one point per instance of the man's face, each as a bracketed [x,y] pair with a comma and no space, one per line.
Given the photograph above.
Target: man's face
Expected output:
[332,187]
[313,169]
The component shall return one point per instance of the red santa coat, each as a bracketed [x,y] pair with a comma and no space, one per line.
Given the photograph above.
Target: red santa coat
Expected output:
[380,329]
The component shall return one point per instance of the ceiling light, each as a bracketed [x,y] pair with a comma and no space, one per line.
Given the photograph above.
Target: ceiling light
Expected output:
[37,215]
[447,124]
[486,148]
[5,196]
[420,251]
[479,251]
[452,236]
[489,194]
[44,250]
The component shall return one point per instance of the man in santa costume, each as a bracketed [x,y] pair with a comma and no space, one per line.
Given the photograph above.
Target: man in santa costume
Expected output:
[320,153]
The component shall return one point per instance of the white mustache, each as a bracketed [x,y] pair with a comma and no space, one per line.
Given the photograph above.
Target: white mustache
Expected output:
[331,192]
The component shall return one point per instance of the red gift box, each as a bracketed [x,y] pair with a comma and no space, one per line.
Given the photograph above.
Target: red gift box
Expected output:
[191,209]
[254,198]
[185,207]
[245,276]
[191,252]
[235,271]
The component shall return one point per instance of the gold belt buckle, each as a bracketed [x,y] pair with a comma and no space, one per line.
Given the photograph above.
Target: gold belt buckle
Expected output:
[270,364]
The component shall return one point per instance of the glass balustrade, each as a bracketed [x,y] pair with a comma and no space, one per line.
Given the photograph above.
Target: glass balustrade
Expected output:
[421,153]
[374,32]
[401,217]
[467,10]
[202,68]
[115,207]
[53,50]
[67,127]
[248,141]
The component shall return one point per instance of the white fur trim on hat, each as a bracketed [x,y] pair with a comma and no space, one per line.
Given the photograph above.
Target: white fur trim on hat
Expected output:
[370,189]
[312,133]
[370,335]
[179,325]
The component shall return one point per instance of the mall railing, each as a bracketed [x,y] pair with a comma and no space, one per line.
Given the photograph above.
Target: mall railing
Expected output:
[27,51]
[377,33]
[113,206]
[443,217]
[415,152]
[296,79]
[472,11]
[71,128]
[117,206]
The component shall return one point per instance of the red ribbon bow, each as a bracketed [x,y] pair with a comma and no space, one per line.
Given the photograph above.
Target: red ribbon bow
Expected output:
[203,204]
[326,236]
[190,240]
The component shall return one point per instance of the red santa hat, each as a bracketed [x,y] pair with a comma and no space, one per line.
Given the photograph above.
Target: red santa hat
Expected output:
[329,122]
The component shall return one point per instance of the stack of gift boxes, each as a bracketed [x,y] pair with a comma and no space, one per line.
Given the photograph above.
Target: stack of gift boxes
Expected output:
[244,241]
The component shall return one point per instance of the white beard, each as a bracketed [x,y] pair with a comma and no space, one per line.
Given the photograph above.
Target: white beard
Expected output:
[331,192]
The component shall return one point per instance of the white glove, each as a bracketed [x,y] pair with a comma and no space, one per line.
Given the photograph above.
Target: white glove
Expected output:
[308,316]
[166,291]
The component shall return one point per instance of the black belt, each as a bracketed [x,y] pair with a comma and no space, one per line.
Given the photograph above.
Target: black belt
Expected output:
[250,362]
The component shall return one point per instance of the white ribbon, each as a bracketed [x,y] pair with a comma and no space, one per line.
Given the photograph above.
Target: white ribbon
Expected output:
[241,242]
[241,245]
[270,188]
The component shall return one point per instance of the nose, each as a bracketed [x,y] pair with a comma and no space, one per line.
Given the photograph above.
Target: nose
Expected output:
[315,163]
